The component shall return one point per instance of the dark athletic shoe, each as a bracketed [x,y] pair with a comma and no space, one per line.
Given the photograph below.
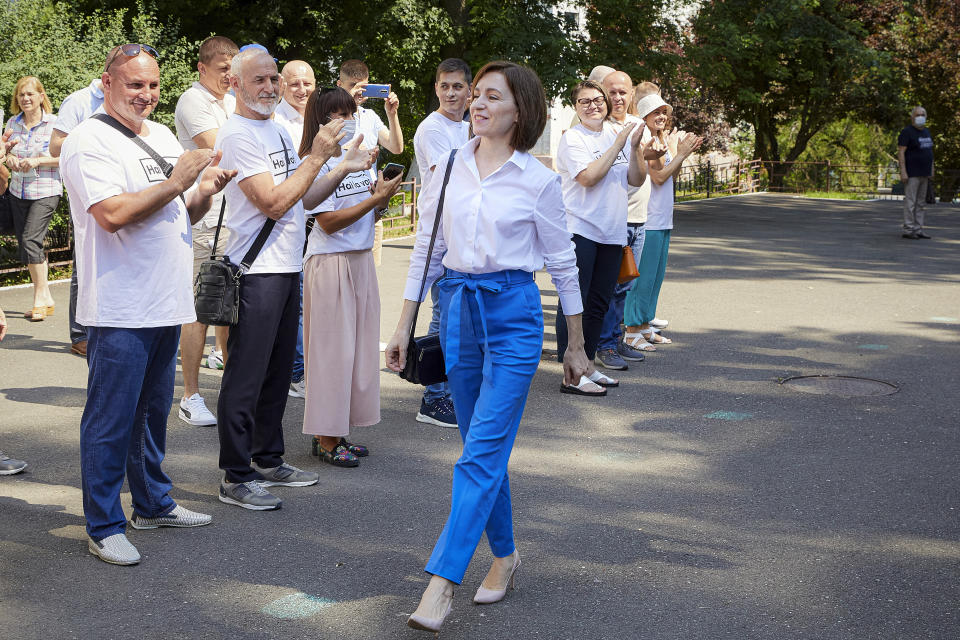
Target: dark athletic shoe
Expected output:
[610,359]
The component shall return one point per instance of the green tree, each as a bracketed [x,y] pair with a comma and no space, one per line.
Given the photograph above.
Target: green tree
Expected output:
[66,49]
[796,63]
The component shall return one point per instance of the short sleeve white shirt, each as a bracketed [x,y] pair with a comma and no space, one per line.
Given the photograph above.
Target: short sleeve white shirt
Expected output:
[434,138]
[637,197]
[78,106]
[660,208]
[253,147]
[353,190]
[291,120]
[369,124]
[199,111]
[140,275]
[598,213]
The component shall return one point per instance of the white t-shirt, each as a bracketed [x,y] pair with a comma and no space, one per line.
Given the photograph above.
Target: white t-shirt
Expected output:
[435,136]
[369,124]
[253,147]
[353,190]
[660,208]
[598,213]
[637,197]
[198,111]
[78,106]
[139,276]
[291,120]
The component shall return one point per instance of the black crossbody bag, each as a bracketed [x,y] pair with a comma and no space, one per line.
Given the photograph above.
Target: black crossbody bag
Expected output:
[425,363]
[217,287]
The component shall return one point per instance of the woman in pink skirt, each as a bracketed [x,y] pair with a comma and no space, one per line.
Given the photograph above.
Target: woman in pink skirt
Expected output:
[341,300]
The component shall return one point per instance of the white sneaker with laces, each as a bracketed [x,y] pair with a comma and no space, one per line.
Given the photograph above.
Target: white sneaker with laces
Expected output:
[298,389]
[193,410]
[115,549]
[215,360]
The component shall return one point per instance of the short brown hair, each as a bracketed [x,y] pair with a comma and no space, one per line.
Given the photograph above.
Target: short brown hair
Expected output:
[37,86]
[320,105]
[590,84]
[529,96]
[216,46]
[453,65]
[354,69]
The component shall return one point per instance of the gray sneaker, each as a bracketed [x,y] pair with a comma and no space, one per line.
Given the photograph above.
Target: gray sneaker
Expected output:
[115,549]
[610,359]
[179,517]
[628,353]
[286,475]
[249,495]
[298,389]
[10,466]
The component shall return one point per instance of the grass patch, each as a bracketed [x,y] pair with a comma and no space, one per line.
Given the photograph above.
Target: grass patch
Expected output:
[23,277]
[835,195]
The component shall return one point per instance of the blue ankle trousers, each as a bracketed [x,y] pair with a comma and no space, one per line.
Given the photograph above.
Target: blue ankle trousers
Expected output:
[491,329]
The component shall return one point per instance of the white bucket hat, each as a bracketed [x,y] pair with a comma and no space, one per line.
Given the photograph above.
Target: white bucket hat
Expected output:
[650,103]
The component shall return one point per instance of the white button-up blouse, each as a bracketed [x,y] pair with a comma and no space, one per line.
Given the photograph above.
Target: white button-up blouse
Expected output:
[512,219]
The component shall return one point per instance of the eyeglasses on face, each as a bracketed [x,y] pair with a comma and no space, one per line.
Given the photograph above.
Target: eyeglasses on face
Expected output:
[131,50]
[586,102]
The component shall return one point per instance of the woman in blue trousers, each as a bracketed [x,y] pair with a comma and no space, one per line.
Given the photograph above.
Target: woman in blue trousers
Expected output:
[502,220]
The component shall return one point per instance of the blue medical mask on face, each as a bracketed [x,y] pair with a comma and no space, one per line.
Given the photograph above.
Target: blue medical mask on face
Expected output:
[920,120]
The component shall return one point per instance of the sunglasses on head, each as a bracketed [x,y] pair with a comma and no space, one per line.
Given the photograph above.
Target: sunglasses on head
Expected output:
[131,50]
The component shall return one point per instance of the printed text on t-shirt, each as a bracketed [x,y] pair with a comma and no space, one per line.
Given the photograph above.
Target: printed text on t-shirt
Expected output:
[152,170]
[279,160]
[356,183]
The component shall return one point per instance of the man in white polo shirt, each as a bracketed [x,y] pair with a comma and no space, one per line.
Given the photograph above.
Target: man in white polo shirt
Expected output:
[272,183]
[133,250]
[299,84]
[441,131]
[201,111]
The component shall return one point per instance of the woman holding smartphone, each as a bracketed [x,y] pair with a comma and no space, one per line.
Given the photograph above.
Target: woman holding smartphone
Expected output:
[341,299]
[502,220]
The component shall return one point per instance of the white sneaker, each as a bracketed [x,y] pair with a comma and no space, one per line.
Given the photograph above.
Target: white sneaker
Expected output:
[215,360]
[193,410]
[298,389]
[115,549]
[658,323]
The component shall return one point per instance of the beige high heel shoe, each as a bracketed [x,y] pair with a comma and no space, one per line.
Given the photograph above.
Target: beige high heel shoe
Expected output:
[424,623]
[489,596]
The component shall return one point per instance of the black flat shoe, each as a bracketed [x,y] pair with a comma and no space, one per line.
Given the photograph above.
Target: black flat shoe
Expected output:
[910,236]
[922,235]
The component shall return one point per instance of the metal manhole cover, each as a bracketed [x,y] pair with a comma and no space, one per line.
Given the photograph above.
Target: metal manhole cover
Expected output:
[847,386]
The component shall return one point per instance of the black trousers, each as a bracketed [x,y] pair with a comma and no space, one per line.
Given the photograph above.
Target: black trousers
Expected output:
[253,394]
[599,266]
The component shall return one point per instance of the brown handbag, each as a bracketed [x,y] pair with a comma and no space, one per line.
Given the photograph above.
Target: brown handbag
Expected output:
[628,267]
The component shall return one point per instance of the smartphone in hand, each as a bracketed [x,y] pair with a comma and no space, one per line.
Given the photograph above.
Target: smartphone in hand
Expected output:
[376,91]
[392,170]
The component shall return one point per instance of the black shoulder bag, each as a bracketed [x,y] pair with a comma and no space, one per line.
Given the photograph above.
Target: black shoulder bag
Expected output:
[424,363]
[217,287]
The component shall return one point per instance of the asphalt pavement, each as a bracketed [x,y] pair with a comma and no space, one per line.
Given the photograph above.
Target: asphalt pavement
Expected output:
[700,499]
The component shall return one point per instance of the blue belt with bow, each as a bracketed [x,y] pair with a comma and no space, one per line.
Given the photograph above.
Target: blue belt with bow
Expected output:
[474,283]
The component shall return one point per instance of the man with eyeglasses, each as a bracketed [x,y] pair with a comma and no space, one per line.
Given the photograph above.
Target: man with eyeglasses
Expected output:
[132,213]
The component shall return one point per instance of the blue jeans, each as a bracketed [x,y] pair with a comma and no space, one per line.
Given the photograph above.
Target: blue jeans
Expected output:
[494,345]
[296,374]
[611,334]
[440,390]
[124,424]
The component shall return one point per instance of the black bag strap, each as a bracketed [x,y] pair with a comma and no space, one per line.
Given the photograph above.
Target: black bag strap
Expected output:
[261,238]
[165,166]
[433,238]
[216,234]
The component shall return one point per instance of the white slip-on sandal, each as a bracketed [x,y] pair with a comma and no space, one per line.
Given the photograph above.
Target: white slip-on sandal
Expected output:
[604,381]
[638,342]
[653,337]
[578,389]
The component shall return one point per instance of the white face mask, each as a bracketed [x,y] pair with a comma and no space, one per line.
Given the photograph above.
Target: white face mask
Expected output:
[920,120]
